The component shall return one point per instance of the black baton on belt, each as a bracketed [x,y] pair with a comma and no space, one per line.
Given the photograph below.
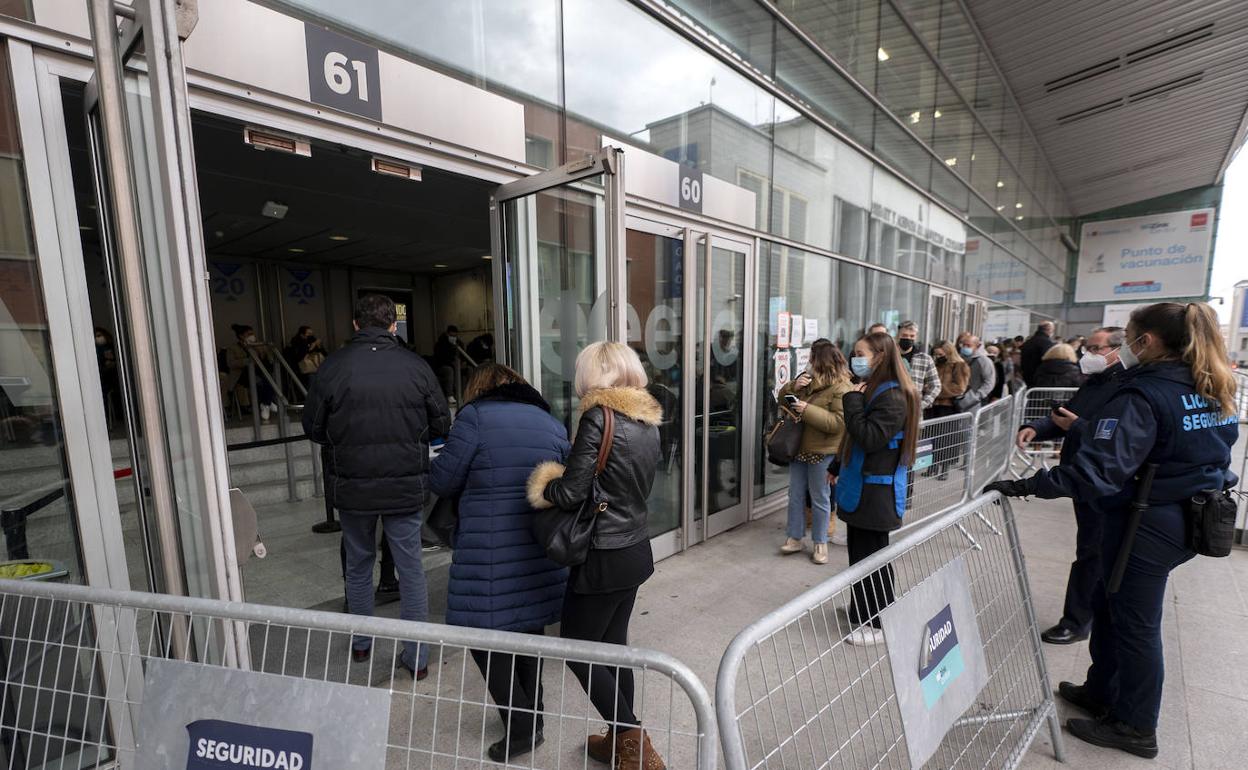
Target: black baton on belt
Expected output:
[1138,505]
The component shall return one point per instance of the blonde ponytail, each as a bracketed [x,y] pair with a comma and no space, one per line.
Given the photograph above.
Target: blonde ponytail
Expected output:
[1205,353]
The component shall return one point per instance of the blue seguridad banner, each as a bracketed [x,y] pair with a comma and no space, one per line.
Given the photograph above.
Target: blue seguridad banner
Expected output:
[220,745]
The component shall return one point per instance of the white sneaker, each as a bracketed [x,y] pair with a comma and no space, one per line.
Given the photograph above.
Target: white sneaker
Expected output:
[839,538]
[264,412]
[820,556]
[867,636]
[791,545]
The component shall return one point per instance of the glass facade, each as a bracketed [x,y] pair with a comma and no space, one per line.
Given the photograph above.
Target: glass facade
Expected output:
[908,82]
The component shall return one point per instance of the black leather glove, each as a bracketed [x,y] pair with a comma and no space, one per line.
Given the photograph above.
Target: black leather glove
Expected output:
[1009,488]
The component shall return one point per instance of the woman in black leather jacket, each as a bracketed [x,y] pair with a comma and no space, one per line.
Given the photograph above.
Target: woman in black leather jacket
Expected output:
[601,592]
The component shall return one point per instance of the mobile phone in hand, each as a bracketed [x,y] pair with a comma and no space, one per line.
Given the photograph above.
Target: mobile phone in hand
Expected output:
[1058,406]
[791,399]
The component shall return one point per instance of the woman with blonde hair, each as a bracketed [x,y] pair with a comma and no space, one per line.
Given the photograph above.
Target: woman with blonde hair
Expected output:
[500,577]
[817,393]
[601,592]
[1172,420]
[1059,368]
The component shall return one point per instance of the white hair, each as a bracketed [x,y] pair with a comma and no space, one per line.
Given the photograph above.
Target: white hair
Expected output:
[608,365]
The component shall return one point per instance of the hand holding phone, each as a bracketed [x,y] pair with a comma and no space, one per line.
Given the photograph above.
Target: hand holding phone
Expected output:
[791,399]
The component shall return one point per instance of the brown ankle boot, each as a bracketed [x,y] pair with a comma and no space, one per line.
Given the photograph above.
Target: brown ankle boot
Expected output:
[634,752]
[598,747]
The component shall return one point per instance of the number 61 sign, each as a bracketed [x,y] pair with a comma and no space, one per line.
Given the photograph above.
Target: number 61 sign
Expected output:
[342,72]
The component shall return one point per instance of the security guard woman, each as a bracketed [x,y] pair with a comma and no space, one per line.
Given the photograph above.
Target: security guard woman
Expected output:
[1175,408]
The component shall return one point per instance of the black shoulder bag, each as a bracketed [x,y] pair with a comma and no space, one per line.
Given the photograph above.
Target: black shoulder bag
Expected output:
[1211,517]
[567,535]
[784,440]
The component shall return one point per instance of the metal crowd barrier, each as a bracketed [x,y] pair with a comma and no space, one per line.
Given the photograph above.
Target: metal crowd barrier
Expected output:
[957,456]
[939,480]
[793,693]
[76,659]
[1032,404]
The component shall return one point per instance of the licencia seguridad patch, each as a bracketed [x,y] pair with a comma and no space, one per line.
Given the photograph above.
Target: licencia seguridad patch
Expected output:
[1105,428]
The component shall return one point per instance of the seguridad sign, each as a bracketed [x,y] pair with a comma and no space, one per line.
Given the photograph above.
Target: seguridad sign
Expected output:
[1145,258]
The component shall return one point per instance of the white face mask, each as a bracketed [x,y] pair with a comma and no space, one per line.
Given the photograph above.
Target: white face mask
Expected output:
[1127,356]
[1093,363]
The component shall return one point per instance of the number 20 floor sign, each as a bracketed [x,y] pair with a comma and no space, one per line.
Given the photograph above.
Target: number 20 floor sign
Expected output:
[937,657]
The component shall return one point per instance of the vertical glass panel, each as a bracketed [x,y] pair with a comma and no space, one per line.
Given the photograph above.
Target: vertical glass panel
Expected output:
[725,366]
[848,30]
[899,148]
[802,72]
[959,48]
[985,165]
[46,710]
[505,46]
[812,171]
[949,188]
[631,77]
[655,282]
[173,357]
[555,262]
[906,79]
[953,133]
[741,24]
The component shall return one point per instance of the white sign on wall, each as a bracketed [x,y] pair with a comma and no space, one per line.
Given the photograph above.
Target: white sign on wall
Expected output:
[1145,258]
[1118,315]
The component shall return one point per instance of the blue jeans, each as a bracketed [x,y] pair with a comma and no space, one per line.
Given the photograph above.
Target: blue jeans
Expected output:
[359,538]
[813,478]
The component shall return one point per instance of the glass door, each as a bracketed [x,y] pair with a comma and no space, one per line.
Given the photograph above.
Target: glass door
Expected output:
[655,282]
[721,466]
[139,129]
[559,236]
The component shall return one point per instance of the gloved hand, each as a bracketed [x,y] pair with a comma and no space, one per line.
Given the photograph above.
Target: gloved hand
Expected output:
[1008,487]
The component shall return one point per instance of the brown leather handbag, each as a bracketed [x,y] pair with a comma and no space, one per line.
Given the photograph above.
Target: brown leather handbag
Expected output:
[568,535]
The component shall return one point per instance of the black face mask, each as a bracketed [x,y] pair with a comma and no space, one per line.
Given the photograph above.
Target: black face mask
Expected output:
[941,359]
[905,345]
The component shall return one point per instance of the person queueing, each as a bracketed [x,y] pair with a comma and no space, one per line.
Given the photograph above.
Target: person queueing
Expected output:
[500,577]
[818,391]
[1069,421]
[373,407]
[1174,408]
[881,430]
[602,591]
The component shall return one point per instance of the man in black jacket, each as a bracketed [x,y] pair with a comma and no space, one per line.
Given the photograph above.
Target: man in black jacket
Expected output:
[1071,420]
[1033,351]
[373,406]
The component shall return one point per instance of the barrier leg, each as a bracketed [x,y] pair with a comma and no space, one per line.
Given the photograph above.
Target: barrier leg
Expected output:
[1042,668]
[330,524]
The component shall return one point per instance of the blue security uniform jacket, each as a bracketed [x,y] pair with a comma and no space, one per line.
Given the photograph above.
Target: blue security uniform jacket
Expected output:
[500,577]
[1086,403]
[1155,416]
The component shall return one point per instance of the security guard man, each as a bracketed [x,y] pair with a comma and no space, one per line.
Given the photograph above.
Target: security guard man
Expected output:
[1070,420]
[1175,408]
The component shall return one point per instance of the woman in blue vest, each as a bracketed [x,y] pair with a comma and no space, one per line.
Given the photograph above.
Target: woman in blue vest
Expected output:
[1175,407]
[881,429]
[500,577]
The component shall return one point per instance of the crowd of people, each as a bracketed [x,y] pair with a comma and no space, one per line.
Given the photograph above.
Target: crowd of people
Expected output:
[375,407]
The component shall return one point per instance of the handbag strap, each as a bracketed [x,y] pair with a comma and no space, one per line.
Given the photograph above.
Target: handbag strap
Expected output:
[608,437]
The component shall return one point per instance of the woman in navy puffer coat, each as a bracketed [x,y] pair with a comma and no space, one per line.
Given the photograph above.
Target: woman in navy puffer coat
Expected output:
[500,576]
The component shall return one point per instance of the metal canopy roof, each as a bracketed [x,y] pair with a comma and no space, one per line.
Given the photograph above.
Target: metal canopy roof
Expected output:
[1130,99]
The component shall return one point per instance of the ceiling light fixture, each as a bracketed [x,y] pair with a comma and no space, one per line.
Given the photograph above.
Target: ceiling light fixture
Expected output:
[951,161]
[439,265]
[881,54]
[487,256]
[296,250]
[271,140]
[85,227]
[915,116]
[1019,217]
[1000,208]
[937,114]
[274,210]
[339,238]
[1018,205]
[1000,184]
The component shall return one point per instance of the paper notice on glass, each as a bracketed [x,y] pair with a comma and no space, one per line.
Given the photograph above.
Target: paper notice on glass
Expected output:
[803,360]
[812,330]
[783,371]
[783,321]
[795,339]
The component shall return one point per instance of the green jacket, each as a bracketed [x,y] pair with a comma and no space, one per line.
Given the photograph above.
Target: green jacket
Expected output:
[823,422]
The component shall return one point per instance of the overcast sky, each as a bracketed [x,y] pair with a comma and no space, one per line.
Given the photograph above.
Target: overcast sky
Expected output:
[1230,252]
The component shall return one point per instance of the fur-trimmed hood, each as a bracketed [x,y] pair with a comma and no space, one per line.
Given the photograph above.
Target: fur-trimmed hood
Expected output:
[634,403]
